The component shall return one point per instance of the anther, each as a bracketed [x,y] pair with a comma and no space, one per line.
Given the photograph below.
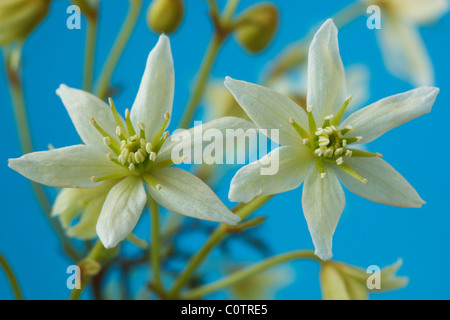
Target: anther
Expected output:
[323,175]
[340,161]
[148,147]
[132,167]
[107,141]
[305,141]
[348,153]
[94,179]
[158,187]
[323,141]
[365,181]
[166,116]
[109,156]
[338,152]
[328,153]
[152,156]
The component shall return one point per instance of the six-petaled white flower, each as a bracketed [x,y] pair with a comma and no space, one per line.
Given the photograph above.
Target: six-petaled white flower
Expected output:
[127,154]
[317,146]
[404,52]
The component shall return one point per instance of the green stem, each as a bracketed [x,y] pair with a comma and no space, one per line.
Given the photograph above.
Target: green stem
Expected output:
[118,48]
[20,115]
[222,30]
[243,211]
[89,51]
[202,79]
[155,245]
[349,13]
[11,278]
[99,254]
[249,272]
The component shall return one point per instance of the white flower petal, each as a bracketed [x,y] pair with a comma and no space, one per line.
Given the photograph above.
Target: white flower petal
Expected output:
[323,201]
[292,164]
[69,167]
[388,113]
[269,110]
[121,211]
[184,193]
[326,76]
[156,91]
[86,228]
[404,52]
[194,139]
[81,106]
[385,185]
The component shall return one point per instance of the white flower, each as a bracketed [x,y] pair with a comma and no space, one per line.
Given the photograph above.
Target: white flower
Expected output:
[132,152]
[403,50]
[317,147]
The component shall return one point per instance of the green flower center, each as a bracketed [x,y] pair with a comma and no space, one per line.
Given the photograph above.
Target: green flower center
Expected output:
[328,143]
[131,149]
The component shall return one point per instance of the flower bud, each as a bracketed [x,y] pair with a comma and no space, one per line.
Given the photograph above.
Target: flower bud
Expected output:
[18,18]
[164,16]
[257,27]
[341,281]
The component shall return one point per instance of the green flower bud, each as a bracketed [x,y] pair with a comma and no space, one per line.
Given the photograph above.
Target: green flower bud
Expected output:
[340,281]
[18,18]
[164,16]
[257,27]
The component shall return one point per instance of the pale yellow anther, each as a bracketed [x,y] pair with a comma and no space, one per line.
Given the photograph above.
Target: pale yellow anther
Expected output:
[158,187]
[109,156]
[107,141]
[305,141]
[132,167]
[328,153]
[94,179]
[323,175]
[348,153]
[166,116]
[339,161]
[338,152]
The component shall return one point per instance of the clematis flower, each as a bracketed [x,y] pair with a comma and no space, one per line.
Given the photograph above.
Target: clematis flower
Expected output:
[129,153]
[404,52]
[317,145]
[340,281]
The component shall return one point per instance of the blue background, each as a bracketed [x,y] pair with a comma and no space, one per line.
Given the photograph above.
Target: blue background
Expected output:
[368,233]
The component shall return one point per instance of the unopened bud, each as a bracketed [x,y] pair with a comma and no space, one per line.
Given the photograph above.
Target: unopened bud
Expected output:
[18,18]
[164,16]
[257,27]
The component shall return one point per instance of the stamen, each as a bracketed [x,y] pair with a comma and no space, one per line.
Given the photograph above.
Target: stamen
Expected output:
[311,121]
[151,181]
[341,111]
[348,153]
[353,140]
[94,179]
[346,130]
[132,167]
[321,168]
[302,132]
[328,153]
[323,141]
[347,169]
[169,162]
[340,161]
[116,115]
[338,152]
[327,121]
[109,177]
[141,129]
[305,141]
[158,134]
[130,127]
[364,154]
[107,141]
[109,156]
[148,147]
[112,143]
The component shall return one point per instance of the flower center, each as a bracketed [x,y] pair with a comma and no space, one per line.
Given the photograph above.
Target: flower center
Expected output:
[330,144]
[131,149]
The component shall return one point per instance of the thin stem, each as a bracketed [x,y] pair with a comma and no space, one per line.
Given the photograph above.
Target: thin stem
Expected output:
[99,254]
[202,79]
[20,114]
[216,237]
[118,48]
[221,32]
[349,13]
[249,272]
[89,51]
[11,278]
[155,244]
